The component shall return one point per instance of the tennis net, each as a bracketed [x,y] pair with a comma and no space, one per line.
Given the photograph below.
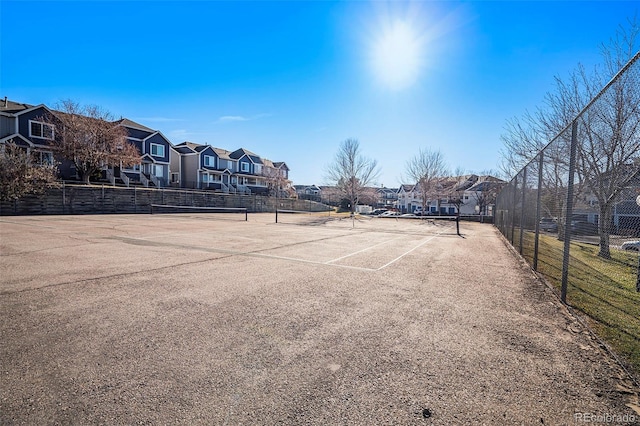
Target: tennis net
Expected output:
[226,213]
[303,217]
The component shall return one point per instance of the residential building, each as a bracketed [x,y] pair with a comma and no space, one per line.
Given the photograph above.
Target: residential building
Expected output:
[31,127]
[240,171]
[387,197]
[154,167]
[186,165]
[308,192]
[25,126]
[467,195]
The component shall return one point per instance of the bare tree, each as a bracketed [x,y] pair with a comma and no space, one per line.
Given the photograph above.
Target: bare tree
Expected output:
[20,175]
[278,184]
[427,169]
[87,136]
[351,172]
[608,151]
[486,195]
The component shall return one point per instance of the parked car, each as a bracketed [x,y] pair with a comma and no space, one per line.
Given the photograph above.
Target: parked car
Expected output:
[390,213]
[631,245]
[378,212]
[584,228]
[548,224]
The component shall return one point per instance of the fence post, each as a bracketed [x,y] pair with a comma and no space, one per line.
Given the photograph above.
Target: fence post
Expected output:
[569,212]
[524,193]
[513,208]
[538,202]
[638,279]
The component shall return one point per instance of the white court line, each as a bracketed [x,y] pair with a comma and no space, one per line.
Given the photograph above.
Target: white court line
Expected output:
[313,262]
[403,255]
[359,251]
[293,259]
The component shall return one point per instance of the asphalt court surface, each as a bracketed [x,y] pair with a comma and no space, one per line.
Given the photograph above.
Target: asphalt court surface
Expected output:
[365,243]
[191,319]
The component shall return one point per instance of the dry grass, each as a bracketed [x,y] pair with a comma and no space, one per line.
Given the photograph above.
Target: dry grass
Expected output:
[603,289]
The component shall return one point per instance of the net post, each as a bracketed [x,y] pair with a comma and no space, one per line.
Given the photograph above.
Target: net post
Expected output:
[458,224]
[150,208]
[246,215]
[276,215]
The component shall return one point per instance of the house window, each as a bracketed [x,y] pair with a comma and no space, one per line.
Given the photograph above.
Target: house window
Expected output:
[258,169]
[45,158]
[244,167]
[175,177]
[157,150]
[209,161]
[38,129]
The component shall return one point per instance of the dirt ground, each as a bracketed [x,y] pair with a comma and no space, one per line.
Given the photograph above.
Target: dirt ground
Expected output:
[183,319]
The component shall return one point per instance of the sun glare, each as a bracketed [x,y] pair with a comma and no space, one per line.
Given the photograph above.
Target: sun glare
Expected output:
[397,56]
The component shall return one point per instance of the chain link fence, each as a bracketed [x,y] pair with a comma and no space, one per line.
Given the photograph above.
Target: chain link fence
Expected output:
[573,212]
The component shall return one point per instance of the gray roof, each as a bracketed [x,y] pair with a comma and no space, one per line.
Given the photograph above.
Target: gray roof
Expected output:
[280,164]
[222,153]
[183,149]
[239,153]
[13,107]
[130,123]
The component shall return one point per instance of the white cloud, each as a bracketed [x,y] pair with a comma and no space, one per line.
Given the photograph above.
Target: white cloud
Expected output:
[231,118]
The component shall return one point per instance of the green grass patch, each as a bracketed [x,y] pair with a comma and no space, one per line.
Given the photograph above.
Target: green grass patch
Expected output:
[603,289]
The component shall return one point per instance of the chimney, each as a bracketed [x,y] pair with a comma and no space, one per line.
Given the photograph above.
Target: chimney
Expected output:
[5,102]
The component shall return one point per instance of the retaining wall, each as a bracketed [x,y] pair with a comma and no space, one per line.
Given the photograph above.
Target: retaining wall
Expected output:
[104,199]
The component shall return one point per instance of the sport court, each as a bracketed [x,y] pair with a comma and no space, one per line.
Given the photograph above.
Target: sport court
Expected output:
[191,318]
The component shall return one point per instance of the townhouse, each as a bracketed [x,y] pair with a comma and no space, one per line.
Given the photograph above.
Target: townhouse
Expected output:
[387,197]
[162,164]
[468,194]
[26,127]
[308,192]
[240,171]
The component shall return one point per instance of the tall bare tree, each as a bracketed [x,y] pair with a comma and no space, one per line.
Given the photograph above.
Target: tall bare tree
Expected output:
[88,136]
[351,172]
[428,170]
[608,150]
[20,175]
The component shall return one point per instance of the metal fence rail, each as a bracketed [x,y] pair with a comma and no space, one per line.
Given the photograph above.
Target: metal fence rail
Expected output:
[572,211]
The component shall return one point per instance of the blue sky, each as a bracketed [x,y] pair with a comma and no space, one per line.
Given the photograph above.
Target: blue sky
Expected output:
[290,80]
